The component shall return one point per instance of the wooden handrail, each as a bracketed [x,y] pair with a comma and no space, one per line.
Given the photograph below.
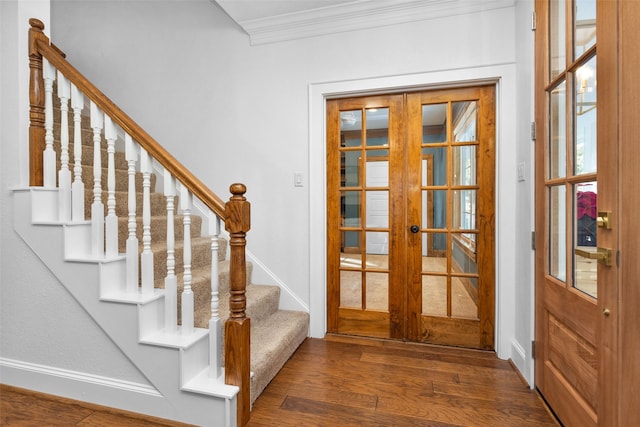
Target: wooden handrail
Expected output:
[40,46]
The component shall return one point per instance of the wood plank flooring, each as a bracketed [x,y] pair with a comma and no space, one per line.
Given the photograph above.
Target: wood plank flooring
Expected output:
[345,381]
[25,408]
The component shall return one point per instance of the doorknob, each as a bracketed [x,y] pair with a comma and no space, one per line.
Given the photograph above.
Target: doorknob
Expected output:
[414,228]
[603,255]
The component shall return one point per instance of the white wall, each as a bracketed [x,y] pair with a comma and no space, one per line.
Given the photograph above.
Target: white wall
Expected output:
[524,267]
[42,328]
[231,112]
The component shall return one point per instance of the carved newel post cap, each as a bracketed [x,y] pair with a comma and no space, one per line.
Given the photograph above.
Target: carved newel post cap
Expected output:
[36,23]
[238,189]
[237,216]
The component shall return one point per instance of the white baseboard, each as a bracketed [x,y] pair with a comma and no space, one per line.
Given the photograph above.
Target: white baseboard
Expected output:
[262,275]
[519,359]
[99,390]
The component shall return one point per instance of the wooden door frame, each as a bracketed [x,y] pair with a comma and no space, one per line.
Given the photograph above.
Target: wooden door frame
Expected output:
[504,77]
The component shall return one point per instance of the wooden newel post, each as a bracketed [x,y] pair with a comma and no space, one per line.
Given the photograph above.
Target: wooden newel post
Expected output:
[237,344]
[36,103]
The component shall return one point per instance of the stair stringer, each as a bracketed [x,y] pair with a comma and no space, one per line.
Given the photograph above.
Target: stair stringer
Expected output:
[175,365]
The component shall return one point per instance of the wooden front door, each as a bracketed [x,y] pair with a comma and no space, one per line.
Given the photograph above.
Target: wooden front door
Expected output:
[410,184]
[576,199]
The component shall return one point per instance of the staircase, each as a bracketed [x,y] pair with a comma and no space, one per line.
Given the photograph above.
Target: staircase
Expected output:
[177,363]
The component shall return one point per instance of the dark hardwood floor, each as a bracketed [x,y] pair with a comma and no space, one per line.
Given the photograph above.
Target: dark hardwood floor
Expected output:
[344,381]
[25,408]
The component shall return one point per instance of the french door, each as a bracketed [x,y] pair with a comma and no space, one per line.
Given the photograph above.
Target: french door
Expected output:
[410,187]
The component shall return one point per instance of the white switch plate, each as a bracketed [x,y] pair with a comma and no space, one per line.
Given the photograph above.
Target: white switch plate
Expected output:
[521,172]
[297,179]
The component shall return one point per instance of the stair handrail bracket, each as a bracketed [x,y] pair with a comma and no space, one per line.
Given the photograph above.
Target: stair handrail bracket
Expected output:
[48,65]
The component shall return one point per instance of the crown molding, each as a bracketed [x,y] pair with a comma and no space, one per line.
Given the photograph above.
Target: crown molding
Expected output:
[356,15]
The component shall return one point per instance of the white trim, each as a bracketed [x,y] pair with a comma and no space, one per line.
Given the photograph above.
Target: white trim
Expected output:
[261,274]
[351,16]
[504,74]
[518,356]
[99,390]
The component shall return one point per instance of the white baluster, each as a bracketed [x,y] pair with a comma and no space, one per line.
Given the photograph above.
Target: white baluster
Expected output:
[64,175]
[49,158]
[187,292]
[77,188]
[215,324]
[170,282]
[146,258]
[97,208]
[131,155]
[111,222]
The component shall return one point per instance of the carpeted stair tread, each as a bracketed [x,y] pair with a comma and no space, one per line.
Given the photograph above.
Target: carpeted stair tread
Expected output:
[158,229]
[122,179]
[85,130]
[262,301]
[200,254]
[273,341]
[158,203]
[86,158]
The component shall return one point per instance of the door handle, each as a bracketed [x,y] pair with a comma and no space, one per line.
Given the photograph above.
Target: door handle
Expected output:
[414,229]
[603,255]
[605,219]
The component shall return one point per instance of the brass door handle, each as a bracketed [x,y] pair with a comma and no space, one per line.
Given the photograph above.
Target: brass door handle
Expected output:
[605,219]
[603,255]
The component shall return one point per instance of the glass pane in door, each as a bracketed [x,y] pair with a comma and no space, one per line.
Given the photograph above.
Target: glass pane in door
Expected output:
[584,26]
[377,291]
[351,128]
[377,127]
[464,120]
[464,165]
[350,208]
[464,297]
[558,132]
[557,37]
[350,289]
[586,227]
[436,158]
[350,165]
[434,295]
[558,232]
[434,123]
[585,114]
[464,280]
[434,209]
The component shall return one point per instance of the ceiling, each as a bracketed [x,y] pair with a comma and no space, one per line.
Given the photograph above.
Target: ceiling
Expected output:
[270,21]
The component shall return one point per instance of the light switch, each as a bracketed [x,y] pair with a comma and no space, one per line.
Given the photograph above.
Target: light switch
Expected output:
[297,179]
[521,172]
